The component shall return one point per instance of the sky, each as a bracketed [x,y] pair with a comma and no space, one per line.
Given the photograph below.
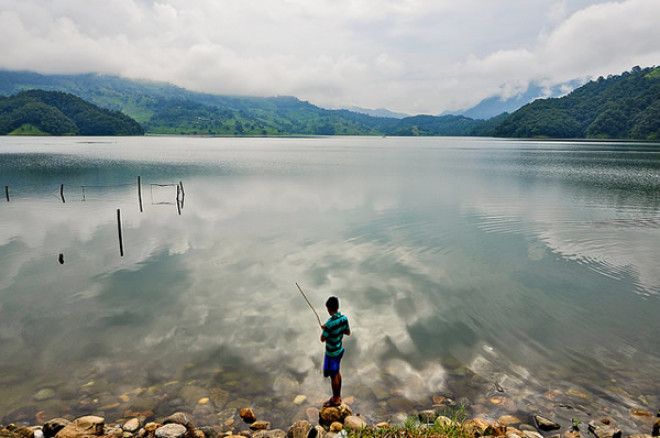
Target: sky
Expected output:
[414,56]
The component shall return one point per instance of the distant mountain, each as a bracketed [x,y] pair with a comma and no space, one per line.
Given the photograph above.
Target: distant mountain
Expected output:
[496,105]
[380,112]
[167,109]
[38,112]
[618,107]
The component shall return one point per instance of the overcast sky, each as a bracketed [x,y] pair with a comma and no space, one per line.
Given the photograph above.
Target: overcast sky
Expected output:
[416,56]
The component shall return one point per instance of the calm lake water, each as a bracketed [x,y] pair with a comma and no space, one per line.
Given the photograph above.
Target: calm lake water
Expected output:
[516,276]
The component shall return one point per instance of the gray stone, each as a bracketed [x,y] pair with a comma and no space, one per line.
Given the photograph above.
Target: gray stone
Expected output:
[181,418]
[354,422]
[171,430]
[527,427]
[132,425]
[546,424]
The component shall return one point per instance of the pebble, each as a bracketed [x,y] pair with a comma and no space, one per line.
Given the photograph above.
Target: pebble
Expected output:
[508,420]
[299,399]
[171,430]
[44,394]
[203,401]
[260,425]
[354,422]
[131,425]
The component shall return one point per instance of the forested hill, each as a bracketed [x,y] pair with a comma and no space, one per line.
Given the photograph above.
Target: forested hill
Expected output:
[617,107]
[38,112]
[624,106]
[167,109]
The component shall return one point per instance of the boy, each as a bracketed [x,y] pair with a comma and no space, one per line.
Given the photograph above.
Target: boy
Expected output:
[333,331]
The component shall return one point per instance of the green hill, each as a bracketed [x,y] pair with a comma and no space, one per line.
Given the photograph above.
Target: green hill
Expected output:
[618,107]
[167,109]
[38,112]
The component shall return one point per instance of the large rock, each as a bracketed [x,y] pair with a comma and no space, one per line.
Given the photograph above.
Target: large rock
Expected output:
[171,430]
[299,429]
[604,428]
[354,422]
[545,424]
[54,425]
[328,415]
[83,427]
[247,414]
[508,420]
[181,418]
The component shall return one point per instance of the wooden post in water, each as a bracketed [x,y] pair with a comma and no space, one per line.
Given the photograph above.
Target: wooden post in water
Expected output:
[7,193]
[183,194]
[178,202]
[62,193]
[121,241]
[140,192]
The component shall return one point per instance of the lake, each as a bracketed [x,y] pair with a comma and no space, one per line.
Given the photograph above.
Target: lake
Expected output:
[511,276]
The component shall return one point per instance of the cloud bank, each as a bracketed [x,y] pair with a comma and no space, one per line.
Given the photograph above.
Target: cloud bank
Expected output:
[412,55]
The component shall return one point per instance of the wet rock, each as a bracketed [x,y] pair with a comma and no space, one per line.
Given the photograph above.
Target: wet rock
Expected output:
[427,416]
[87,426]
[260,425]
[545,424]
[656,429]
[329,415]
[527,427]
[131,425]
[316,432]
[354,422]
[572,434]
[171,430]
[530,434]
[604,428]
[23,432]
[247,414]
[641,435]
[299,429]
[181,418]
[52,426]
[203,401]
[208,432]
[299,399]
[477,426]
[218,396]
[275,433]
[508,420]
[191,393]
[386,425]
[44,394]
[336,426]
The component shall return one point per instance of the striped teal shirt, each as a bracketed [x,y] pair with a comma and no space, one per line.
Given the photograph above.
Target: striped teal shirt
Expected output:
[335,327]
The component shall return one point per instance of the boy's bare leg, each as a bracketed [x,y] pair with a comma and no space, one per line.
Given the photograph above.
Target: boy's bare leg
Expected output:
[336,388]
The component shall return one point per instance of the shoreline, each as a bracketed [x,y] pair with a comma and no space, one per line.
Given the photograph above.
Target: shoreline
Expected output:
[443,418]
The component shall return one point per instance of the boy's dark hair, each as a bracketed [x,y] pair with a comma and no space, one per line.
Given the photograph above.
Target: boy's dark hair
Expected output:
[332,304]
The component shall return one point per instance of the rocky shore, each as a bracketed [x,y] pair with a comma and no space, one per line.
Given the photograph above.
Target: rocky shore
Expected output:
[440,420]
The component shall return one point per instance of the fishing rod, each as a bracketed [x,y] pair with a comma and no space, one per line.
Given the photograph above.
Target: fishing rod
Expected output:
[310,305]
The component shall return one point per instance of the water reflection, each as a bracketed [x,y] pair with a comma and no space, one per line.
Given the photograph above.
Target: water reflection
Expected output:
[464,266]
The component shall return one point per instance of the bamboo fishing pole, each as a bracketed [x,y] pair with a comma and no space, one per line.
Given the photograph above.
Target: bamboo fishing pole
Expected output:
[310,306]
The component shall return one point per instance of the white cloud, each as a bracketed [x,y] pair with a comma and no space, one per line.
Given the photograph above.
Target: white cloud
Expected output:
[413,56]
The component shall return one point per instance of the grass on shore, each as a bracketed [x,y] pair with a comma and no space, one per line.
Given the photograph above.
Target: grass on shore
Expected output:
[413,428]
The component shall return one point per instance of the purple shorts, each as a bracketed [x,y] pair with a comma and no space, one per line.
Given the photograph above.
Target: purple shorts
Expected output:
[331,365]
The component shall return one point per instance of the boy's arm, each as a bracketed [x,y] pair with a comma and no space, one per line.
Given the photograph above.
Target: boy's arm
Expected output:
[324,334]
[347,331]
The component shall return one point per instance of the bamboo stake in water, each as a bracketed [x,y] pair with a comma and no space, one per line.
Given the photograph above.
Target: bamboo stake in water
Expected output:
[140,192]
[310,305]
[62,193]
[121,242]
[7,192]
